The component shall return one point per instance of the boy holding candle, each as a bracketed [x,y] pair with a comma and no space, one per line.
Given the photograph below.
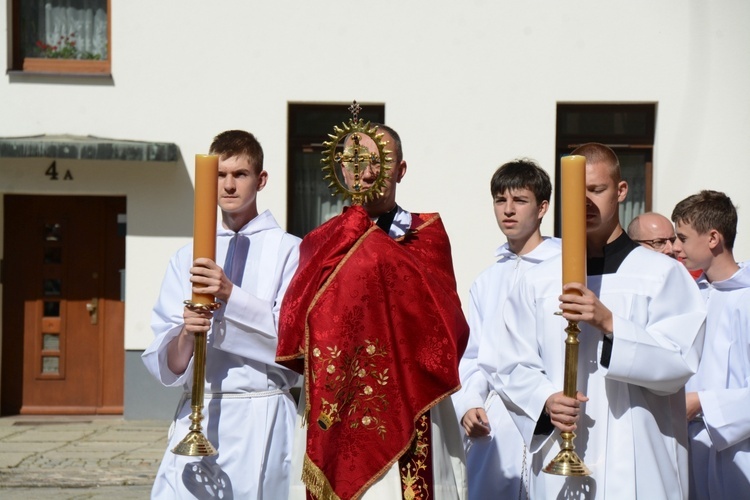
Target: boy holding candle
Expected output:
[718,395]
[641,319]
[495,452]
[248,413]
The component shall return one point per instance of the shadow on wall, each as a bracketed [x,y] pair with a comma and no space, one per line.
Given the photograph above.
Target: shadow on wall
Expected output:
[163,203]
[145,398]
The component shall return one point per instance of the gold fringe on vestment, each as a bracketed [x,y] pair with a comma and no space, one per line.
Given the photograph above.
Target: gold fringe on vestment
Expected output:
[316,481]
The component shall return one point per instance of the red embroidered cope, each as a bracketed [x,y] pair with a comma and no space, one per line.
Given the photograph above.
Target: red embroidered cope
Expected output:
[376,327]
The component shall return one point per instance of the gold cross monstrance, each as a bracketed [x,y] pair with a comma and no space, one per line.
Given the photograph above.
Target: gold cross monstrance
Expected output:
[346,157]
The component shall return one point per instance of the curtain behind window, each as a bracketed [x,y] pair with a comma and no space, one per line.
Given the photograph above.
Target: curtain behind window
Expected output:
[67,29]
[632,169]
[314,203]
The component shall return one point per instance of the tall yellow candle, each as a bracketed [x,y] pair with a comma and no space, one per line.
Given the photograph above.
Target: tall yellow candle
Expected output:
[573,197]
[204,216]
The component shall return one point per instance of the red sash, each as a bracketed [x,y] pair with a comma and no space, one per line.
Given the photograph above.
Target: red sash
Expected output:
[376,327]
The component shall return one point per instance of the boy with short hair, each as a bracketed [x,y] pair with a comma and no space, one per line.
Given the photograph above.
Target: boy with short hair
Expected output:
[494,449]
[249,412]
[718,395]
[641,320]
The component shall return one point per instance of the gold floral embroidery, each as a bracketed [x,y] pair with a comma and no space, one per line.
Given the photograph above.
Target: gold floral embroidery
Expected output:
[415,486]
[325,362]
[352,379]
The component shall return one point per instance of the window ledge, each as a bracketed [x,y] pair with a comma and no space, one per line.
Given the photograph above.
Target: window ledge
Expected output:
[18,76]
[39,65]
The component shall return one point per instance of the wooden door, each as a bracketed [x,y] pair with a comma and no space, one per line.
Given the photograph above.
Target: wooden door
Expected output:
[63,315]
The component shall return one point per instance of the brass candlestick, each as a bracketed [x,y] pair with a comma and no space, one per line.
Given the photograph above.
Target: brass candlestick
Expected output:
[567,462]
[573,198]
[195,443]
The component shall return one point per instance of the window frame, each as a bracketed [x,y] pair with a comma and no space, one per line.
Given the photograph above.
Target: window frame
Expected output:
[42,65]
[313,143]
[621,143]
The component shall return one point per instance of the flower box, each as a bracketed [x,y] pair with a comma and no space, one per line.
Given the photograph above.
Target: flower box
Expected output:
[80,66]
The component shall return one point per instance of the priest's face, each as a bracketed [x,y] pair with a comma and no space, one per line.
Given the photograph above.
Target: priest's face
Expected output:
[603,196]
[386,199]
[518,214]
[239,183]
[692,248]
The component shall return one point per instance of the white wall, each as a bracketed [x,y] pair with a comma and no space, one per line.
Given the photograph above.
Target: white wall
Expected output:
[469,85]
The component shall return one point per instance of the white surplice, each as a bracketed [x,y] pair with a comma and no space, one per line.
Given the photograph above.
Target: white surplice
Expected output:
[249,413]
[720,440]
[632,433]
[494,464]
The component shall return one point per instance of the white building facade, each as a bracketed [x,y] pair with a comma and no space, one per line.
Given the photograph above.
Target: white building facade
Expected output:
[468,85]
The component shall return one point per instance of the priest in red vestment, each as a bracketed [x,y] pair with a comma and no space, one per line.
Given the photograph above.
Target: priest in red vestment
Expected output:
[373,321]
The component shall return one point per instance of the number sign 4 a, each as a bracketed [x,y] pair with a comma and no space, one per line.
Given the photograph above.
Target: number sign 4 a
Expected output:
[53,175]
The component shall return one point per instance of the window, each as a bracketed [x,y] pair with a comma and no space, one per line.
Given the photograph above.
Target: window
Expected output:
[61,36]
[309,199]
[626,128]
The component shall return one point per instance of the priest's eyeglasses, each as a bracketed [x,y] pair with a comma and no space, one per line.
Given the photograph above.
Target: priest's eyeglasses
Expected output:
[658,243]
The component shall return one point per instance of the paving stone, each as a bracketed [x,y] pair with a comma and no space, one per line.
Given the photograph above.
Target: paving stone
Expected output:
[104,446]
[132,492]
[7,430]
[73,458]
[47,436]
[10,459]
[25,446]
